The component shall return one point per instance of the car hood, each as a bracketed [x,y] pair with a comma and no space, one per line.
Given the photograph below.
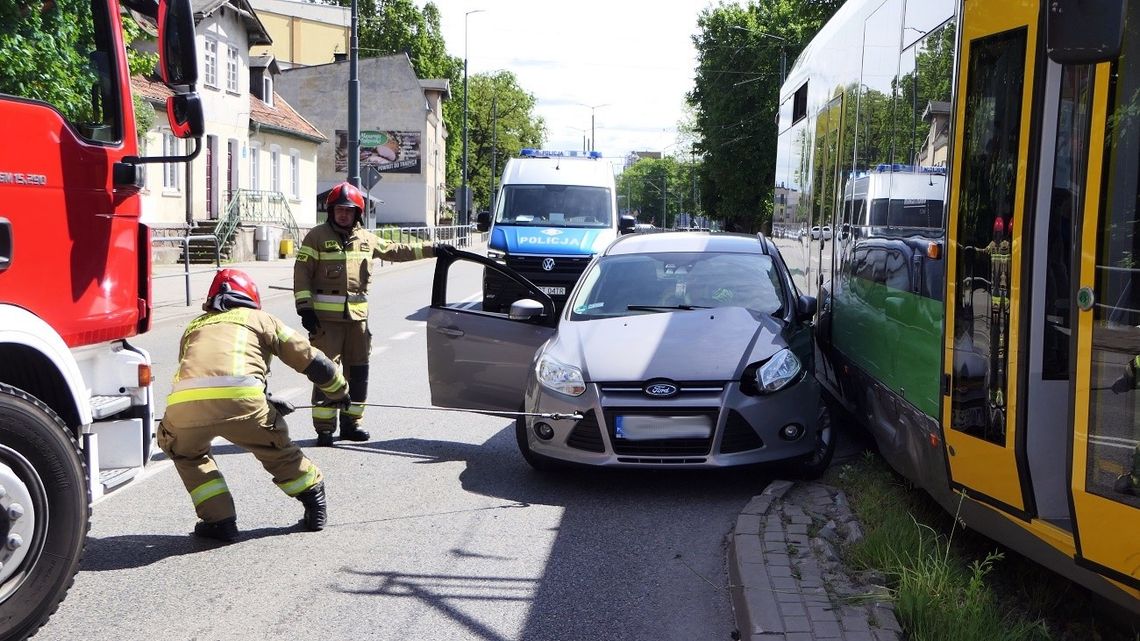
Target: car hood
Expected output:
[697,345]
[570,241]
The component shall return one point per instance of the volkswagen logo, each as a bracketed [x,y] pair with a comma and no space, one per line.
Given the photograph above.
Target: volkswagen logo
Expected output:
[661,389]
[547,264]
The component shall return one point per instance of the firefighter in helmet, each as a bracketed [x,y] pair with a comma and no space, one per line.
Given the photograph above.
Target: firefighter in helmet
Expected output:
[330,289]
[220,390]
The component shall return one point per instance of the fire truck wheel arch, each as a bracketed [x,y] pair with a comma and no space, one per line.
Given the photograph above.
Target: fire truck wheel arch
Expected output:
[21,327]
[44,512]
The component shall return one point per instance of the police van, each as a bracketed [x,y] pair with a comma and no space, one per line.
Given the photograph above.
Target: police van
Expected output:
[555,210]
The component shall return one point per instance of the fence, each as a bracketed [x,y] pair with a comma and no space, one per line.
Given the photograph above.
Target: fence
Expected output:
[185,241]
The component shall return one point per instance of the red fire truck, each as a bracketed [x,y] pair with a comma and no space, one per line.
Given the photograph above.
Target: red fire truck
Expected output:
[75,395]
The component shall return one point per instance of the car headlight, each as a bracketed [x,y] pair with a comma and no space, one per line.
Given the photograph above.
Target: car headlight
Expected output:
[497,256]
[562,378]
[778,372]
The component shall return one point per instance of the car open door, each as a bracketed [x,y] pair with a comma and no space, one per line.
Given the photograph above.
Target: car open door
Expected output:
[477,359]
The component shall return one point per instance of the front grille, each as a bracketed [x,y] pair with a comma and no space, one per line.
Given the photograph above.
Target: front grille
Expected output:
[660,461]
[565,273]
[686,390]
[739,435]
[661,447]
[587,435]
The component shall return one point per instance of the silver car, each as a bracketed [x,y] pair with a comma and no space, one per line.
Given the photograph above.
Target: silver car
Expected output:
[674,350]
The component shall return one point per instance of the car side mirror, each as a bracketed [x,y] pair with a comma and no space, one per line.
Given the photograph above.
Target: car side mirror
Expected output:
[627,225]
[805,308]
[526,309]
[483,221]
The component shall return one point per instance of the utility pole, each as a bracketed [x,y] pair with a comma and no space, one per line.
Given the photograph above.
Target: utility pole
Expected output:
[465,195]
[494,148]
[354,103]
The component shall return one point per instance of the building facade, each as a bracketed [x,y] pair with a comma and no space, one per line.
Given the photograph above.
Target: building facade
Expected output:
[303,33]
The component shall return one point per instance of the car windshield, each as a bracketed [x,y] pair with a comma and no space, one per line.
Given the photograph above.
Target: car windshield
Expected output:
[554,206]
[653,283]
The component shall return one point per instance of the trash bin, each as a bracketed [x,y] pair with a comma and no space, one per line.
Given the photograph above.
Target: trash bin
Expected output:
[286,248]
[261,242]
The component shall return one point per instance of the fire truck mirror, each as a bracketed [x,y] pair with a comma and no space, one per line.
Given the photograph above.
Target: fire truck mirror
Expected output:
[184,111]
[176,43]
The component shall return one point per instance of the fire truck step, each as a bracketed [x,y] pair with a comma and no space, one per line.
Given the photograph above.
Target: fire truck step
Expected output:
[104,406]
[116,476]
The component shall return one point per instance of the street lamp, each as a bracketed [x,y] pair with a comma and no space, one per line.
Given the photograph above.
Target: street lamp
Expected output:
[593,140]
[464,189]
[783,51]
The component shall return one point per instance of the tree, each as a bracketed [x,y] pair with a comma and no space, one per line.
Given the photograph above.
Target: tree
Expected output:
[735,99]
[500,122]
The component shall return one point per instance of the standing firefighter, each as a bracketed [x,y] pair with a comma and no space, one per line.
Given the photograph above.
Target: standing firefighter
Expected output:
[219,390]
[330,286]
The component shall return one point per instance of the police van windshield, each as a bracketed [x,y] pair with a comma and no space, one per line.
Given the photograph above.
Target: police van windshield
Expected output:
[554,206]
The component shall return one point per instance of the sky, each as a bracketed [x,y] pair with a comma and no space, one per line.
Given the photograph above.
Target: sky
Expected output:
[632,60]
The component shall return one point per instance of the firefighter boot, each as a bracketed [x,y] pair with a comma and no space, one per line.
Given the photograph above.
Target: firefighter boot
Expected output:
[324,439]
[350,429]
[225,530]
[314,501]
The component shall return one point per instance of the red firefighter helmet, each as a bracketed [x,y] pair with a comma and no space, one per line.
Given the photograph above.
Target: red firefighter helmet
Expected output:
[345,194]
[232,288]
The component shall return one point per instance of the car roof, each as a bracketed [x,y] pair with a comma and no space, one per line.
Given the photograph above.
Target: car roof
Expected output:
[688,241]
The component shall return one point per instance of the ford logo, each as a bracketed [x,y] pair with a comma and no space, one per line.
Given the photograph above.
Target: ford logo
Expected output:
[548,264]
[661,390]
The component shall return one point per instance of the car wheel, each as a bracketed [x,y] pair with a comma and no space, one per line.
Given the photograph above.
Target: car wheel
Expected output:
[537,461]
[815,464]
[44,512]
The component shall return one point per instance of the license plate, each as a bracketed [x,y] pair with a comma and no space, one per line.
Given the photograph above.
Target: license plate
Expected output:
[553,291]
[645,428]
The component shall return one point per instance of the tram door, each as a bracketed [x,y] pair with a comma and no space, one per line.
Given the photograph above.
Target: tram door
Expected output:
[1105,481]
[984,296]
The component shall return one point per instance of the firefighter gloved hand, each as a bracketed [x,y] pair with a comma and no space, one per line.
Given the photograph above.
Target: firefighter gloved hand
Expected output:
[309,320]
[283,407]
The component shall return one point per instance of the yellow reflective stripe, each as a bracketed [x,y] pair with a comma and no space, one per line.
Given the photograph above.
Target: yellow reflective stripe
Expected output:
[237,315]
[304,253]
[284,333]
[302,294]
[329,307]
[199,382]
[296,486]
[356,410]
[342,255]
[324,412]
[361,308]
[336,383]
[208,490]
[214,394]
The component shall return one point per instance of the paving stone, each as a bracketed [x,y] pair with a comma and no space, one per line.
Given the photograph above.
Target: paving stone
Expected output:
[886,635]
[821,614]
[758,505]
[856,623]
[779,571]
[747,548]
[784,583]
[763,611]
[774,535]
[793,609]
[777,489]
[747,524]
[826,630]
[786,596]
[754,576]
[799,519]
[797,528]
[797,624]
[858,635]
[778,558]
[799,636]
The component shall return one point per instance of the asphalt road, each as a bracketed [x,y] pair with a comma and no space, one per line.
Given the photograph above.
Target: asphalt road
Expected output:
[438,529]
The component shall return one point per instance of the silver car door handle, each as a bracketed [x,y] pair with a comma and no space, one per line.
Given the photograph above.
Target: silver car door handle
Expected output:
[448,331]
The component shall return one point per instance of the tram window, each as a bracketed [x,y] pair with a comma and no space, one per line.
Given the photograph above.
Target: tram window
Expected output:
[799,103]
[1113,464]
[990,157]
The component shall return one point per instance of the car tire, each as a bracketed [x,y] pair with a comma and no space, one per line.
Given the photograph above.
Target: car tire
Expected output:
[40,464]
[815,464]
[539,462]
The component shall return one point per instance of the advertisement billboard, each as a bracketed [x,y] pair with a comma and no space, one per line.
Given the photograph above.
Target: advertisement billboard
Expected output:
[388,151]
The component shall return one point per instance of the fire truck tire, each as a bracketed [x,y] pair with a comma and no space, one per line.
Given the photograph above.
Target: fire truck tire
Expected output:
[40,463]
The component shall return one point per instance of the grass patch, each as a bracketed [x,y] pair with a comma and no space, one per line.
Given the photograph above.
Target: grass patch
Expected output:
[952,584]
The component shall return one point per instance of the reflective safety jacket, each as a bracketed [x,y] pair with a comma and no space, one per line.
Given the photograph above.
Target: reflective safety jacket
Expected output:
[224,359]
[332,271]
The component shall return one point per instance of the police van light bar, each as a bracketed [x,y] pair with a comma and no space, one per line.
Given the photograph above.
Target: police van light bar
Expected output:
[553,153]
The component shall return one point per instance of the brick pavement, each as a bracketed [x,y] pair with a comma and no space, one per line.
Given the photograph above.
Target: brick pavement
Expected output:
[787,578]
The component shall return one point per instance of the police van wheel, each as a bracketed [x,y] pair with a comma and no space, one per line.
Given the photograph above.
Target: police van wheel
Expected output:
[537,461]
[44,512]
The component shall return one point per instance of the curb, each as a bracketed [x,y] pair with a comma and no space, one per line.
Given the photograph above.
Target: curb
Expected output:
[787,582]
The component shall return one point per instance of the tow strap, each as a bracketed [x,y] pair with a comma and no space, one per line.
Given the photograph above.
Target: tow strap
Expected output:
[549,415]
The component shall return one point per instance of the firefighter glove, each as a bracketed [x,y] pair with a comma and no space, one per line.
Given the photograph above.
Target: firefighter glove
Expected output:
[283,407]
[309,320]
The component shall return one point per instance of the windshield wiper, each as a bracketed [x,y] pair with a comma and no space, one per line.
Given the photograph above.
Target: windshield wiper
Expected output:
[653,308]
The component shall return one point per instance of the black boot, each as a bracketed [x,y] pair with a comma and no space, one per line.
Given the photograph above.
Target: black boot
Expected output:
[225,530]
[314,501]
[350,429]
[324,439]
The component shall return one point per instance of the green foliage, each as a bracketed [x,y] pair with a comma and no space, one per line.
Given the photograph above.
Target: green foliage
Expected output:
[740,53]
[651,186]
[41,46]
[498,110]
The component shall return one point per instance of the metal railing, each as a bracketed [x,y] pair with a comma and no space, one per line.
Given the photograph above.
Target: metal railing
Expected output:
[461,236]
[257,208]
[185,242]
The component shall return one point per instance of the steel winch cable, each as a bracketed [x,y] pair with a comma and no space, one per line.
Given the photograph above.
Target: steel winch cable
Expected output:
[550,415]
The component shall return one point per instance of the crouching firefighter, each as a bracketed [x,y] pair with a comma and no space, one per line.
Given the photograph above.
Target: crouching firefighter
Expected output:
[330,288]
[220,390]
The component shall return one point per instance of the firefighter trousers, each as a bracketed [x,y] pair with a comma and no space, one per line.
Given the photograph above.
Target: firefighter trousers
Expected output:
[266,437]
[350,344]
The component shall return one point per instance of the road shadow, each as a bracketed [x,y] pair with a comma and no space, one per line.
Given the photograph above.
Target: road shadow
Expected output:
[138,550]
[420,314]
